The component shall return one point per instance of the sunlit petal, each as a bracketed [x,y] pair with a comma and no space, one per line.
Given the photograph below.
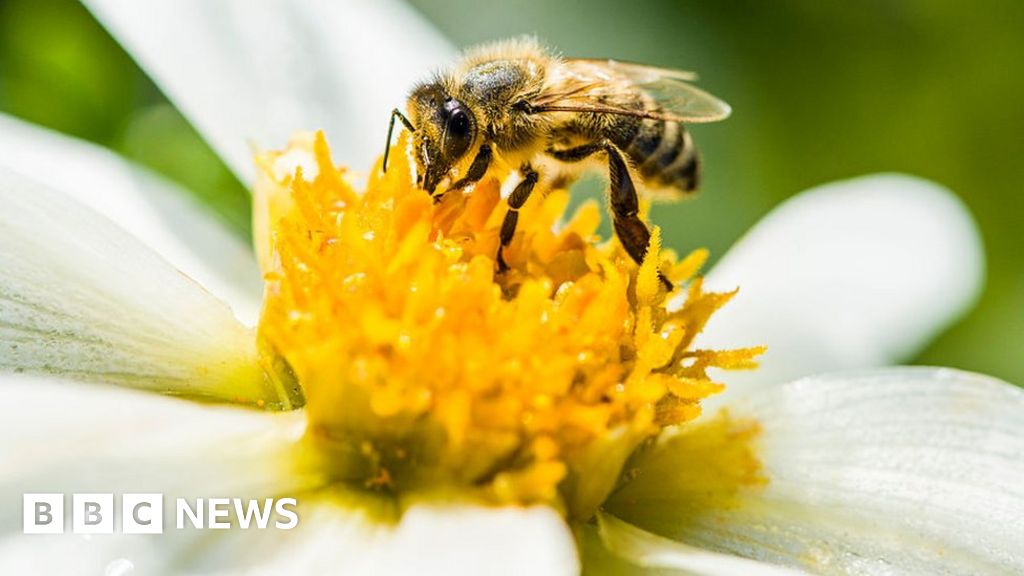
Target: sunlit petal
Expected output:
[91,438]
[153,209]
[853,274]
[903,470]
[611,547]
[335,537]
[442,540]
[247,75]
[82,298]
[79,438]
[332,538]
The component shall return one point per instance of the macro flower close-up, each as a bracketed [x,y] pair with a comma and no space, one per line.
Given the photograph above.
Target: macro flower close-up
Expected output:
[446,359]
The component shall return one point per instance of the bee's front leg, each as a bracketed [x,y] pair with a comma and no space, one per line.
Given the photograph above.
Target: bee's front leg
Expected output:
[475,173]
[519,196]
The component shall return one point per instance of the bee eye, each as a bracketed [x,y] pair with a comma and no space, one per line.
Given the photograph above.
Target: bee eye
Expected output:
[458,124]
[458,133]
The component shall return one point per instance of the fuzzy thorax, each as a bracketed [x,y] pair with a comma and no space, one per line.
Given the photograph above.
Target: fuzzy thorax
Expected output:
[424,370]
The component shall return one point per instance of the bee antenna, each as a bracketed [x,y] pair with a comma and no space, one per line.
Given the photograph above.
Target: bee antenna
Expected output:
[396,113]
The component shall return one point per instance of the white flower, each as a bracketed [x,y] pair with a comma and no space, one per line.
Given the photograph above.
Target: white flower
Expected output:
[895,470]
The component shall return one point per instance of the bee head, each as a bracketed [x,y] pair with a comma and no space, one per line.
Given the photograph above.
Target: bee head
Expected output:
[445,130]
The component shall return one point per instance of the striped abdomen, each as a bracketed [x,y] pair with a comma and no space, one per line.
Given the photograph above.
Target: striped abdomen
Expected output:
[664,153]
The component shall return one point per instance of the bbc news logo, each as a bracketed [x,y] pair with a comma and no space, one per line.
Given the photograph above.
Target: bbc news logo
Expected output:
[144,513]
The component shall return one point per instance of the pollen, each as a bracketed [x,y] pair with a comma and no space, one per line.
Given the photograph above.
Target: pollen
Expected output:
[425,369]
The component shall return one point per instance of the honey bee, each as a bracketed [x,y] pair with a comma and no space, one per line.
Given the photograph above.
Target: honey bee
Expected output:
[519,104]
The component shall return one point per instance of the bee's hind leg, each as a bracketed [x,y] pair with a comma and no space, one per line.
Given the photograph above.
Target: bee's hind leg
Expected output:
[631,231]
[519,196]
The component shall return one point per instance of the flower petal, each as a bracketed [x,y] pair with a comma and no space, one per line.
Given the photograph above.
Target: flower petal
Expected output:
[853,274]
[435,539]
[616,547]
[86,439]
[80,297]
[470,540]
[153,209]
[79,438]
[75,437]
[244,74]
[904,470]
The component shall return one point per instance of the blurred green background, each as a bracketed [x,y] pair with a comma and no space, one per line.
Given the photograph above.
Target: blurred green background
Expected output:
[821,91]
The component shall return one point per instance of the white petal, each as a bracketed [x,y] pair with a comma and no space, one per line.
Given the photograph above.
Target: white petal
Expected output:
[429,540]
[245,73]
[903,470]
[152,208]
[477,540]
[616,547]
[86,439]
[70,436]
[854,274]
[77,438]
[82,298]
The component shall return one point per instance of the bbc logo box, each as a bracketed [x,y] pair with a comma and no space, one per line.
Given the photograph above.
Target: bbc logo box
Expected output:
[43,514]
[92,513]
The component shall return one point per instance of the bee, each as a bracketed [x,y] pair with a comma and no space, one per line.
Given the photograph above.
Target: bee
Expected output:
[519,104]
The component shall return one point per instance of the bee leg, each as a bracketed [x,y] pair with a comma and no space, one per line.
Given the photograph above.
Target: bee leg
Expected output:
[396,113]
[519,196]
[631,231]
[475,173]
[578,153]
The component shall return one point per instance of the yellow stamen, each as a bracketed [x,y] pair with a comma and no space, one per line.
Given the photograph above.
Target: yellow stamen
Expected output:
[423,369]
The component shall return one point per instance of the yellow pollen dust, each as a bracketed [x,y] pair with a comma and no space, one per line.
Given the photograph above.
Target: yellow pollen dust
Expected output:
[423,369]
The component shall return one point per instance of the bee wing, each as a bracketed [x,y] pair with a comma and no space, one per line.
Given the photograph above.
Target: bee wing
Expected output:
[639,73]
[587,85]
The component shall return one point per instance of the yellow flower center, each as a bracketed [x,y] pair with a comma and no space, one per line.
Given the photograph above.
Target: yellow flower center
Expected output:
[423,369]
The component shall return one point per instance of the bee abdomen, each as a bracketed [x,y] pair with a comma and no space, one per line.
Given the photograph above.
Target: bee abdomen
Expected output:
[665,155]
